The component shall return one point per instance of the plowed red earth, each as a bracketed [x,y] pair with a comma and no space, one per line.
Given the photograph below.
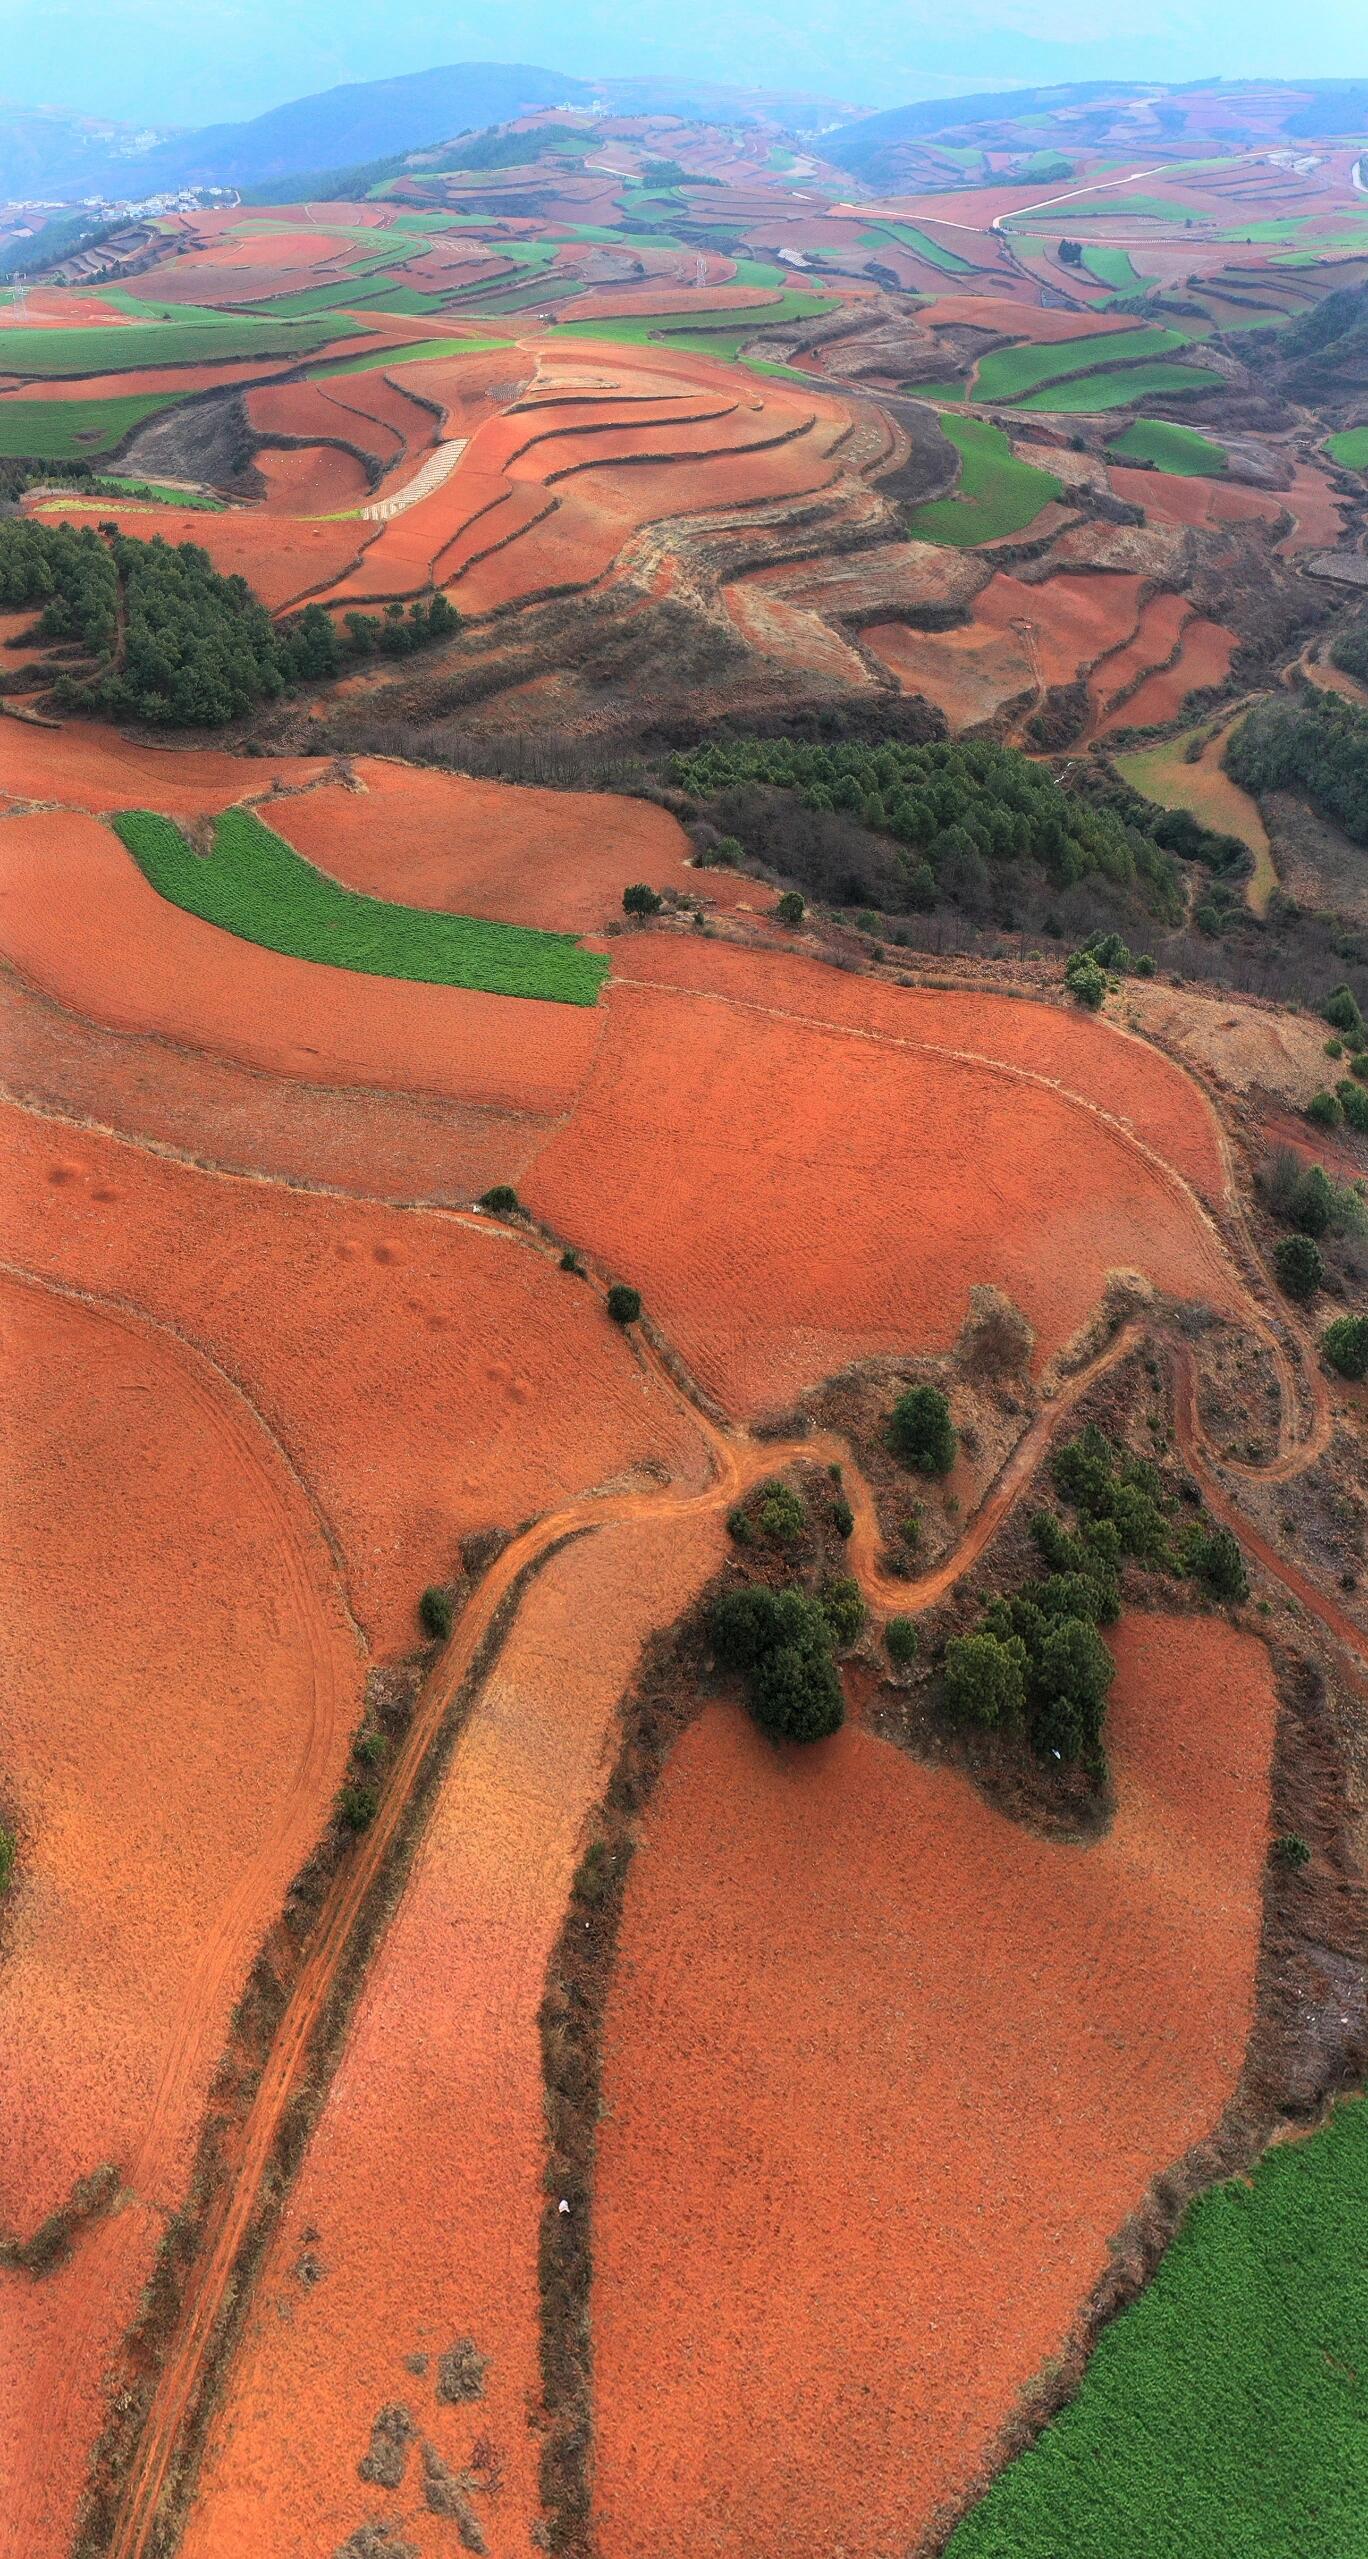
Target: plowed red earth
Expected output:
[84,766]
[1018,319]
[1155,639]
[556,859]
[425,1375]
[1169,499]
[1319,513]
[140,964]
[320,480]
[772,1222]
[650,298]
[297,559]
[1072,621]
[1203,659]
[864,2144]
[207,1683]
[434,2121]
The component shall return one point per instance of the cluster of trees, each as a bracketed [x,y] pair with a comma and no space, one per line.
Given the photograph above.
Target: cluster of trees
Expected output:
[1350,649]
[1306,1198]
[1036,1661]
[951,807]
[1315,744]
[921,1431]
[1090,971]
[171,641]
[783,1647]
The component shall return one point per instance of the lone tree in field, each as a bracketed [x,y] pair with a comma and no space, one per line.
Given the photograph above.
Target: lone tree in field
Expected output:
[791,908]
[641,900]
[624,1304]
[921,1432]
[781,1644]
[1297,1261]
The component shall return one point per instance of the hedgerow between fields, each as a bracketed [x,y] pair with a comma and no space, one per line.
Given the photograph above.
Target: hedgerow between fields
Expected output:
[256,886]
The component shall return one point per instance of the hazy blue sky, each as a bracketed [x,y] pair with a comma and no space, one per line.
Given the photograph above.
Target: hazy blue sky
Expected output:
[201,61]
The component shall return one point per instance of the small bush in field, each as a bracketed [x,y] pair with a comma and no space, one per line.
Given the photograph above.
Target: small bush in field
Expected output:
[903,1641]
[435,1613]
[624,1304]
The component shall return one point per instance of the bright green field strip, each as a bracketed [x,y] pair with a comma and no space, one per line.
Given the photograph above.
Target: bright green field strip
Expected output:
[1225,2414]
[1102,208]
[1011,373]
[1113,267]
[905,235]
[722,336]
[1178,449]
[997,493]
[1349,447]
[62,354]
[1118,390]
[65,430]
[254,885]
[131,493]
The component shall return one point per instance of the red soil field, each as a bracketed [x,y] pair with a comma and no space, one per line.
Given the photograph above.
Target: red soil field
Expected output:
[391,1146]
[970,672]
[425,1375]
[167,1581]
[86,766]
[1203,660]
[317,480]
[1073,620]
[1018,319]
[1170,499]
[1135,1083]
[296,559]
[178,378]
[141,964]
[771,1222]
[437,2105]
[1319,513]
[651,297]
[557,859]
[918,2109]
[1155,638]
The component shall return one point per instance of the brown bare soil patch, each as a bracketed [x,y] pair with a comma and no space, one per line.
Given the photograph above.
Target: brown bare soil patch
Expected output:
[1071,621]
[140,964]
[556,859]
[772,1222]
[919,2103]
[83,765]
[1203,660]
[1174,500]
[425,1374]
[169,1589]
[437,2107]
[1154,640]
[1245,1046]
[1318,511]
[319,480]
[292,562]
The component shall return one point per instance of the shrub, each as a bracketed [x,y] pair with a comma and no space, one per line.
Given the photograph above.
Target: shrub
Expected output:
[1325,1110]
[1334,1048]
[912,1527]
[1109,951]
[1290,1849]
[435,1613]
[1345,1345]
[782,1515]
[996,1339]
[903,1641]
[624,1304]
[501,1201]
[842,1606]
[985,1679]
[1213,1556]
[1312,1204]
[921,1432]
[1341,1011]
[639,899]
[842,1516]
[6,1859]
[791,908]
[371,1748]
[780,1643]
[570,1261]
[1144,966]
[1299,1267]
[1353,1101]
[357,1804]
[1084,979]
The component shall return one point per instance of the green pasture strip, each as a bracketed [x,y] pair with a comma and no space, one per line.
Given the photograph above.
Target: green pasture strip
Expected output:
[67,430]
[1120,390]
[1116,208]
[1179,449]
[64,354]
[1114,267]
[907,235]
[997,493]
[257,887]
[1226,2412]
[1011,373]
[1350,447]
[129,493]
[679,328]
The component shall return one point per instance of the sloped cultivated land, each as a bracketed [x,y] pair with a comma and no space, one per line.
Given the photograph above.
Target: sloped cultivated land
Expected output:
[883,2073]
[1171,448]
[997,494]
[68,430]
[1012,373]
[1224,2411]
[1122,388]
[193,339]
[256,886]
[1349,448]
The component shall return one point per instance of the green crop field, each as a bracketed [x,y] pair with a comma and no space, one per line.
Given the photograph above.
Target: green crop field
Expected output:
[1225,2414]
[417,351]
[997,493]
[62,354]
[256,886]
[1120,389]
[1173,448]
[1012,373]
[1350,447]
[1114,267]
[67,430]
[907,235]
[720,333]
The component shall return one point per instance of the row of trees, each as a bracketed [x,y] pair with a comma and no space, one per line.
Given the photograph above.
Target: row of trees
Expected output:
[171,641]
[944,802]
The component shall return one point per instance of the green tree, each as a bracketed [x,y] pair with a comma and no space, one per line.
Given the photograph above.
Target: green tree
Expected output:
[1085,980]
[984,1681]
[921,1432]
[791,908]
[640,899]
[624,1304]
[1299,1266]
[1345,1345]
